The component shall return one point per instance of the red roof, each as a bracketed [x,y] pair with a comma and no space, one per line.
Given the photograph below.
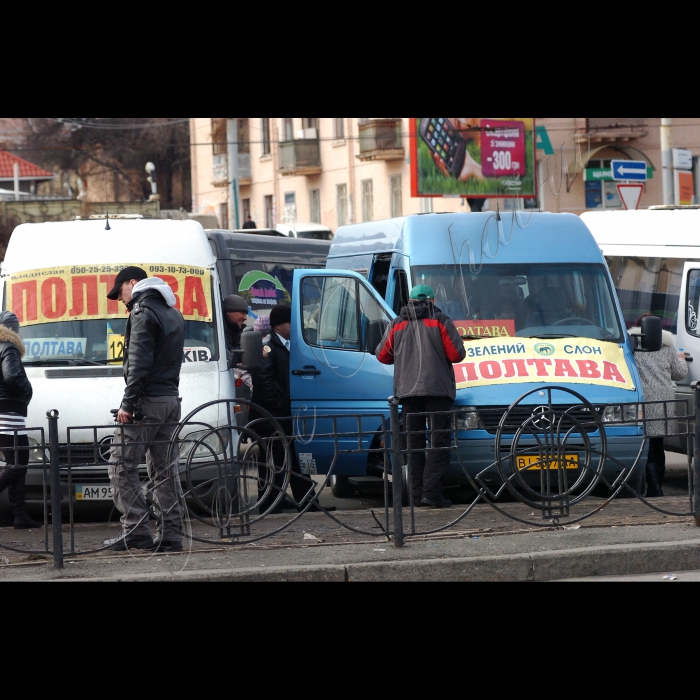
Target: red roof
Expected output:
[27,170]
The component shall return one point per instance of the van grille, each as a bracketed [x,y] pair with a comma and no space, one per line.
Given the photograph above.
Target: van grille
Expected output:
[491,417]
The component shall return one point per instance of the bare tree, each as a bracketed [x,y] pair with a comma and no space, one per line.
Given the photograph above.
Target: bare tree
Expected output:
[96,147]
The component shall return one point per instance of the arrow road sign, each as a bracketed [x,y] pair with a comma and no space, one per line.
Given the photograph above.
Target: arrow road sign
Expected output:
[629,170]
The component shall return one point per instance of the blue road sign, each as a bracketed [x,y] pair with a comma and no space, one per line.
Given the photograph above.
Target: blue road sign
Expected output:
[632,170]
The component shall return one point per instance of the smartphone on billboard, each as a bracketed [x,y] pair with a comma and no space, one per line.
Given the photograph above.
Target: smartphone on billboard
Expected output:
[503,148]
[446,142]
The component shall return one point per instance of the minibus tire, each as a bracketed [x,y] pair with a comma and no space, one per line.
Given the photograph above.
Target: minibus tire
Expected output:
[341,487]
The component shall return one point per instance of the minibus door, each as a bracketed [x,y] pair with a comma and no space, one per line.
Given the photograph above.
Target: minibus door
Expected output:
[333,369]
[688,340]
[688,334]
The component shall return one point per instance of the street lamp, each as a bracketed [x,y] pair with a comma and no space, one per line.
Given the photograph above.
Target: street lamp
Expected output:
[151,170]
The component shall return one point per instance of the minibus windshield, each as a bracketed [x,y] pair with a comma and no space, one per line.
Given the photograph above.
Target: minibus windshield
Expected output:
[101,341]
[526,300]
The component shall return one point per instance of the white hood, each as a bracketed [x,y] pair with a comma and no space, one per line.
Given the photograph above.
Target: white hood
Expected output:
[155,283]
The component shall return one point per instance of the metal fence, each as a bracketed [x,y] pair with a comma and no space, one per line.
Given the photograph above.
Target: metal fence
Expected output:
[552,452]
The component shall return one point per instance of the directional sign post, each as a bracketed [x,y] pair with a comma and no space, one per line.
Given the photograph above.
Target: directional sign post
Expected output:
[629,170]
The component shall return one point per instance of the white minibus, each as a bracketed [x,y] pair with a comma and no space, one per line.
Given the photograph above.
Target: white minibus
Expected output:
[654,258]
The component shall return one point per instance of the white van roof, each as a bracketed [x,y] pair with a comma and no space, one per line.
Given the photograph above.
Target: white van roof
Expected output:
[645,227]
[88,242]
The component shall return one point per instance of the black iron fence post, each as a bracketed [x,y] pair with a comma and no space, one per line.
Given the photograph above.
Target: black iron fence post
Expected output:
[56,520]
[396,471]
[696,455]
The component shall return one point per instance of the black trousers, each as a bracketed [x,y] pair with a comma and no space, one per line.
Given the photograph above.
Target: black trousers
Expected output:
[299,483]
[13,476]
[656,466]
[427,473]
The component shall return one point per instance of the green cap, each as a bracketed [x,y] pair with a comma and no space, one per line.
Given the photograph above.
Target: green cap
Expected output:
[422,293]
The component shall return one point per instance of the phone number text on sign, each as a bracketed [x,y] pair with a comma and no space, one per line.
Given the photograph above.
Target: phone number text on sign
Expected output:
[79,293]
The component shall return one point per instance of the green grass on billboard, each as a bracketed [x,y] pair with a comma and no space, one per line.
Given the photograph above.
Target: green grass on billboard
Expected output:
[432,181]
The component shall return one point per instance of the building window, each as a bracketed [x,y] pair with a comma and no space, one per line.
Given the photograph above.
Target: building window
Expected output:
[223,216]
[367,200]
[396,196]
[601,190]
[243,136]
[315,206]
[245,204]
[269,211]
[342,204]
[290,208]
[310,124]
[288,128]
[339,129]
[218,137]
[266,140]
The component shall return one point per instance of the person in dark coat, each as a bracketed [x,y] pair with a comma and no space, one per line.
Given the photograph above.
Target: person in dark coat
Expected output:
[271,391]
[249,223]
[15,395]
[423,344]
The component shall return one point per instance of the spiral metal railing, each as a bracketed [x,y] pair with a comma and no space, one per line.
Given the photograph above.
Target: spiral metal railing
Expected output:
[552,453]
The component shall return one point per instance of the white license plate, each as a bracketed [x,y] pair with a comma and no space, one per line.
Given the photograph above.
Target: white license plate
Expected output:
[93,493]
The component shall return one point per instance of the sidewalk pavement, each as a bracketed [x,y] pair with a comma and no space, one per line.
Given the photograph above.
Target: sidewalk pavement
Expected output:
[625,539]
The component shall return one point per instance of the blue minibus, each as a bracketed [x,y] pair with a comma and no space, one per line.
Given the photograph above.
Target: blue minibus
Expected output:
[531,295]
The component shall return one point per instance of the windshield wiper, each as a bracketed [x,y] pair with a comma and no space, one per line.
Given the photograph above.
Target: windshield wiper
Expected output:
[552,336]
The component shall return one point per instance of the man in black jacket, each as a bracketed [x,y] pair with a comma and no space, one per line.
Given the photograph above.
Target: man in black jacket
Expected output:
[271,391]
[149,412]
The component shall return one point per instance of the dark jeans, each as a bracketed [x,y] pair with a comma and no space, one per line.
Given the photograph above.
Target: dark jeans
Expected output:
[656,466]
[299,484]
[12,476]
[426,474]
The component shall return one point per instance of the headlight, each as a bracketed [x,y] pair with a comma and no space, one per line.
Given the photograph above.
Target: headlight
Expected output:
[468,420]
[213,444]
[630,413]
[36,453]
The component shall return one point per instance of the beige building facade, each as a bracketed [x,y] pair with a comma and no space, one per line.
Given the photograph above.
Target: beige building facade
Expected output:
[335,171]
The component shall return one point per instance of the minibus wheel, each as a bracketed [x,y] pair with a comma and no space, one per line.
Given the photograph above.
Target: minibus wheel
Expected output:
[341,487]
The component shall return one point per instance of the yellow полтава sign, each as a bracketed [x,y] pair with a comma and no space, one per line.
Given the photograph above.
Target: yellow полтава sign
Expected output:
[561,361]
[79,293]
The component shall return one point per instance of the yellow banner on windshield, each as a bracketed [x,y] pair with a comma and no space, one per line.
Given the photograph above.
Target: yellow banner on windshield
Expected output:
[560,361]
[79,293]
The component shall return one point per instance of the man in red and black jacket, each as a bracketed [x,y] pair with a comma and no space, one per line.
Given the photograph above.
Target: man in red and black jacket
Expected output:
[423,344]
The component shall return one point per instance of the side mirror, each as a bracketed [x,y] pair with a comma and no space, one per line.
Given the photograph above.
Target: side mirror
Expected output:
[252,347]
[652,334]
[375,333]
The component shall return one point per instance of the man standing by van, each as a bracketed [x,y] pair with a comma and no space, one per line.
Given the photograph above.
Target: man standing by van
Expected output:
[149,412]
[423,344]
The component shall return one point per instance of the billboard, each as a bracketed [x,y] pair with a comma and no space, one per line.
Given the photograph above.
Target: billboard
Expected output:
[473,157]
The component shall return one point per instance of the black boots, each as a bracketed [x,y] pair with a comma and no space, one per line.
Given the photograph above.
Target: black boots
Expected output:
[655,480]
[13,481]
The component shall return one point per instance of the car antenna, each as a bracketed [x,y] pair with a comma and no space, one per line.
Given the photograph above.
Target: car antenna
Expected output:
[108,227]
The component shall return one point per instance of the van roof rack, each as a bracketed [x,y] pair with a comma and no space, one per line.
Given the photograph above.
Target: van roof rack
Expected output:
[671,207]
[111,216]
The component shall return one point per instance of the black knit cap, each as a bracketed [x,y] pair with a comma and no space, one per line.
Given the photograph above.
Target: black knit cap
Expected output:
[280,314]
[128,273]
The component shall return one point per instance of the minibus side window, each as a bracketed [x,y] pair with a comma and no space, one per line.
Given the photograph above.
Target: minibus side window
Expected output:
[330,312]
[401,292]
[337,312]
[691,317]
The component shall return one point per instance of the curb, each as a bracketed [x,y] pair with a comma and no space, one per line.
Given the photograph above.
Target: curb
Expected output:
[613,560]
